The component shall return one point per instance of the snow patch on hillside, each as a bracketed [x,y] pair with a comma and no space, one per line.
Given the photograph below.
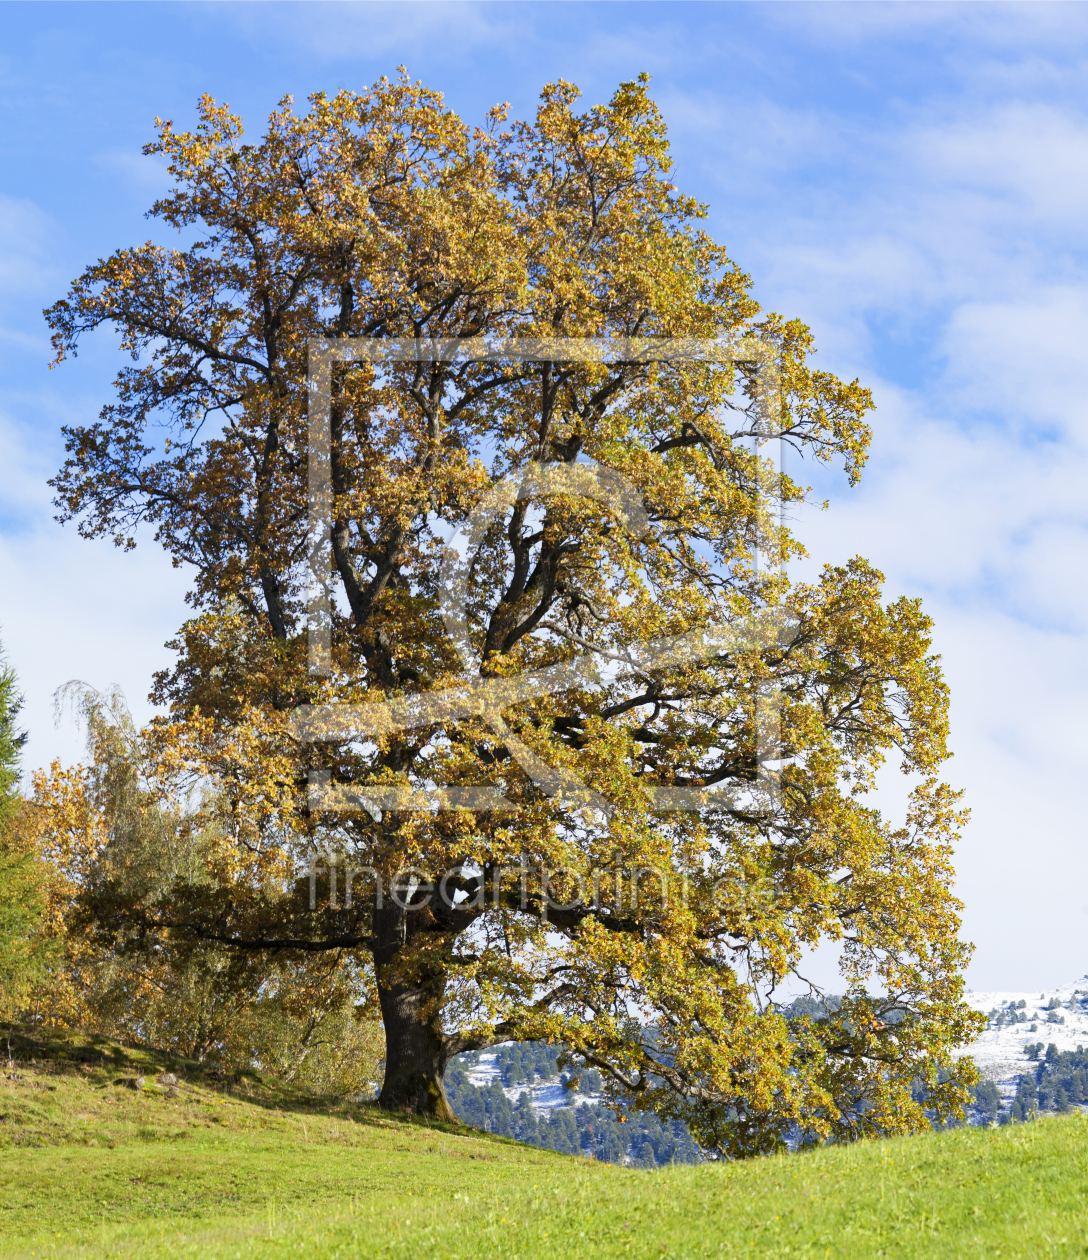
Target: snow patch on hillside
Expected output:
[543,1095]
[1000,1051]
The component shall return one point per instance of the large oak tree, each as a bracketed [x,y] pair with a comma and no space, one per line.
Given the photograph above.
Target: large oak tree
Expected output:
[380,215]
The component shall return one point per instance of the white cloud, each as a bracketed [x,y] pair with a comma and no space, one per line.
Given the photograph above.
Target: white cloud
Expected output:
[1024,362]
[1033,157]
[73,608]
[954,32]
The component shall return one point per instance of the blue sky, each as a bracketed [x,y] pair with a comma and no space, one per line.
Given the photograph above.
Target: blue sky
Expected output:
[910,180]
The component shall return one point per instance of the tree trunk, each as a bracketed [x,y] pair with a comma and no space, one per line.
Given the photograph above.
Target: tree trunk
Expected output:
[415,1053]
[415,1061]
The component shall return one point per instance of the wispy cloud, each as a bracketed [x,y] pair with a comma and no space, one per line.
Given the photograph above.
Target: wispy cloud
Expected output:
[145,174]
[24,239]
[407,32]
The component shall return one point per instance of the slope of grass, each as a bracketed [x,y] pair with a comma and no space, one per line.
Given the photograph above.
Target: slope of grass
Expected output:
[249,1168]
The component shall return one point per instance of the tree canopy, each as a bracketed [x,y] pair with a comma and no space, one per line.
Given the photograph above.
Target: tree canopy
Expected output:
[647,940]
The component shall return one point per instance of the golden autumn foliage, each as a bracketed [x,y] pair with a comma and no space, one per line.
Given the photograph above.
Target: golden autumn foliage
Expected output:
[116,823]
[651,940]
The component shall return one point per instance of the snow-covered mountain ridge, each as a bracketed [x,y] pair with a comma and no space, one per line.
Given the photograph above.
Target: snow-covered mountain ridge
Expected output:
[1026,1056]
[1022,1019]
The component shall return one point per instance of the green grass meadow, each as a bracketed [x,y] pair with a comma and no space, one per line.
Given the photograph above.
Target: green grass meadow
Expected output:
[246,1167]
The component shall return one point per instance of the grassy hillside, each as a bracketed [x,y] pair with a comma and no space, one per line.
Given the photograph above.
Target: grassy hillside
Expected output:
[90,1166]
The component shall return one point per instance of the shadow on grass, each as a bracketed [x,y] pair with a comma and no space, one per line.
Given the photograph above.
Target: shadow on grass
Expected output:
[100,1061]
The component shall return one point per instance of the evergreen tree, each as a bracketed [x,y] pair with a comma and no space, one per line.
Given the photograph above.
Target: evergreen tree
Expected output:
[24,949]
[987,1102]
[11,744]
[1027,1095]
